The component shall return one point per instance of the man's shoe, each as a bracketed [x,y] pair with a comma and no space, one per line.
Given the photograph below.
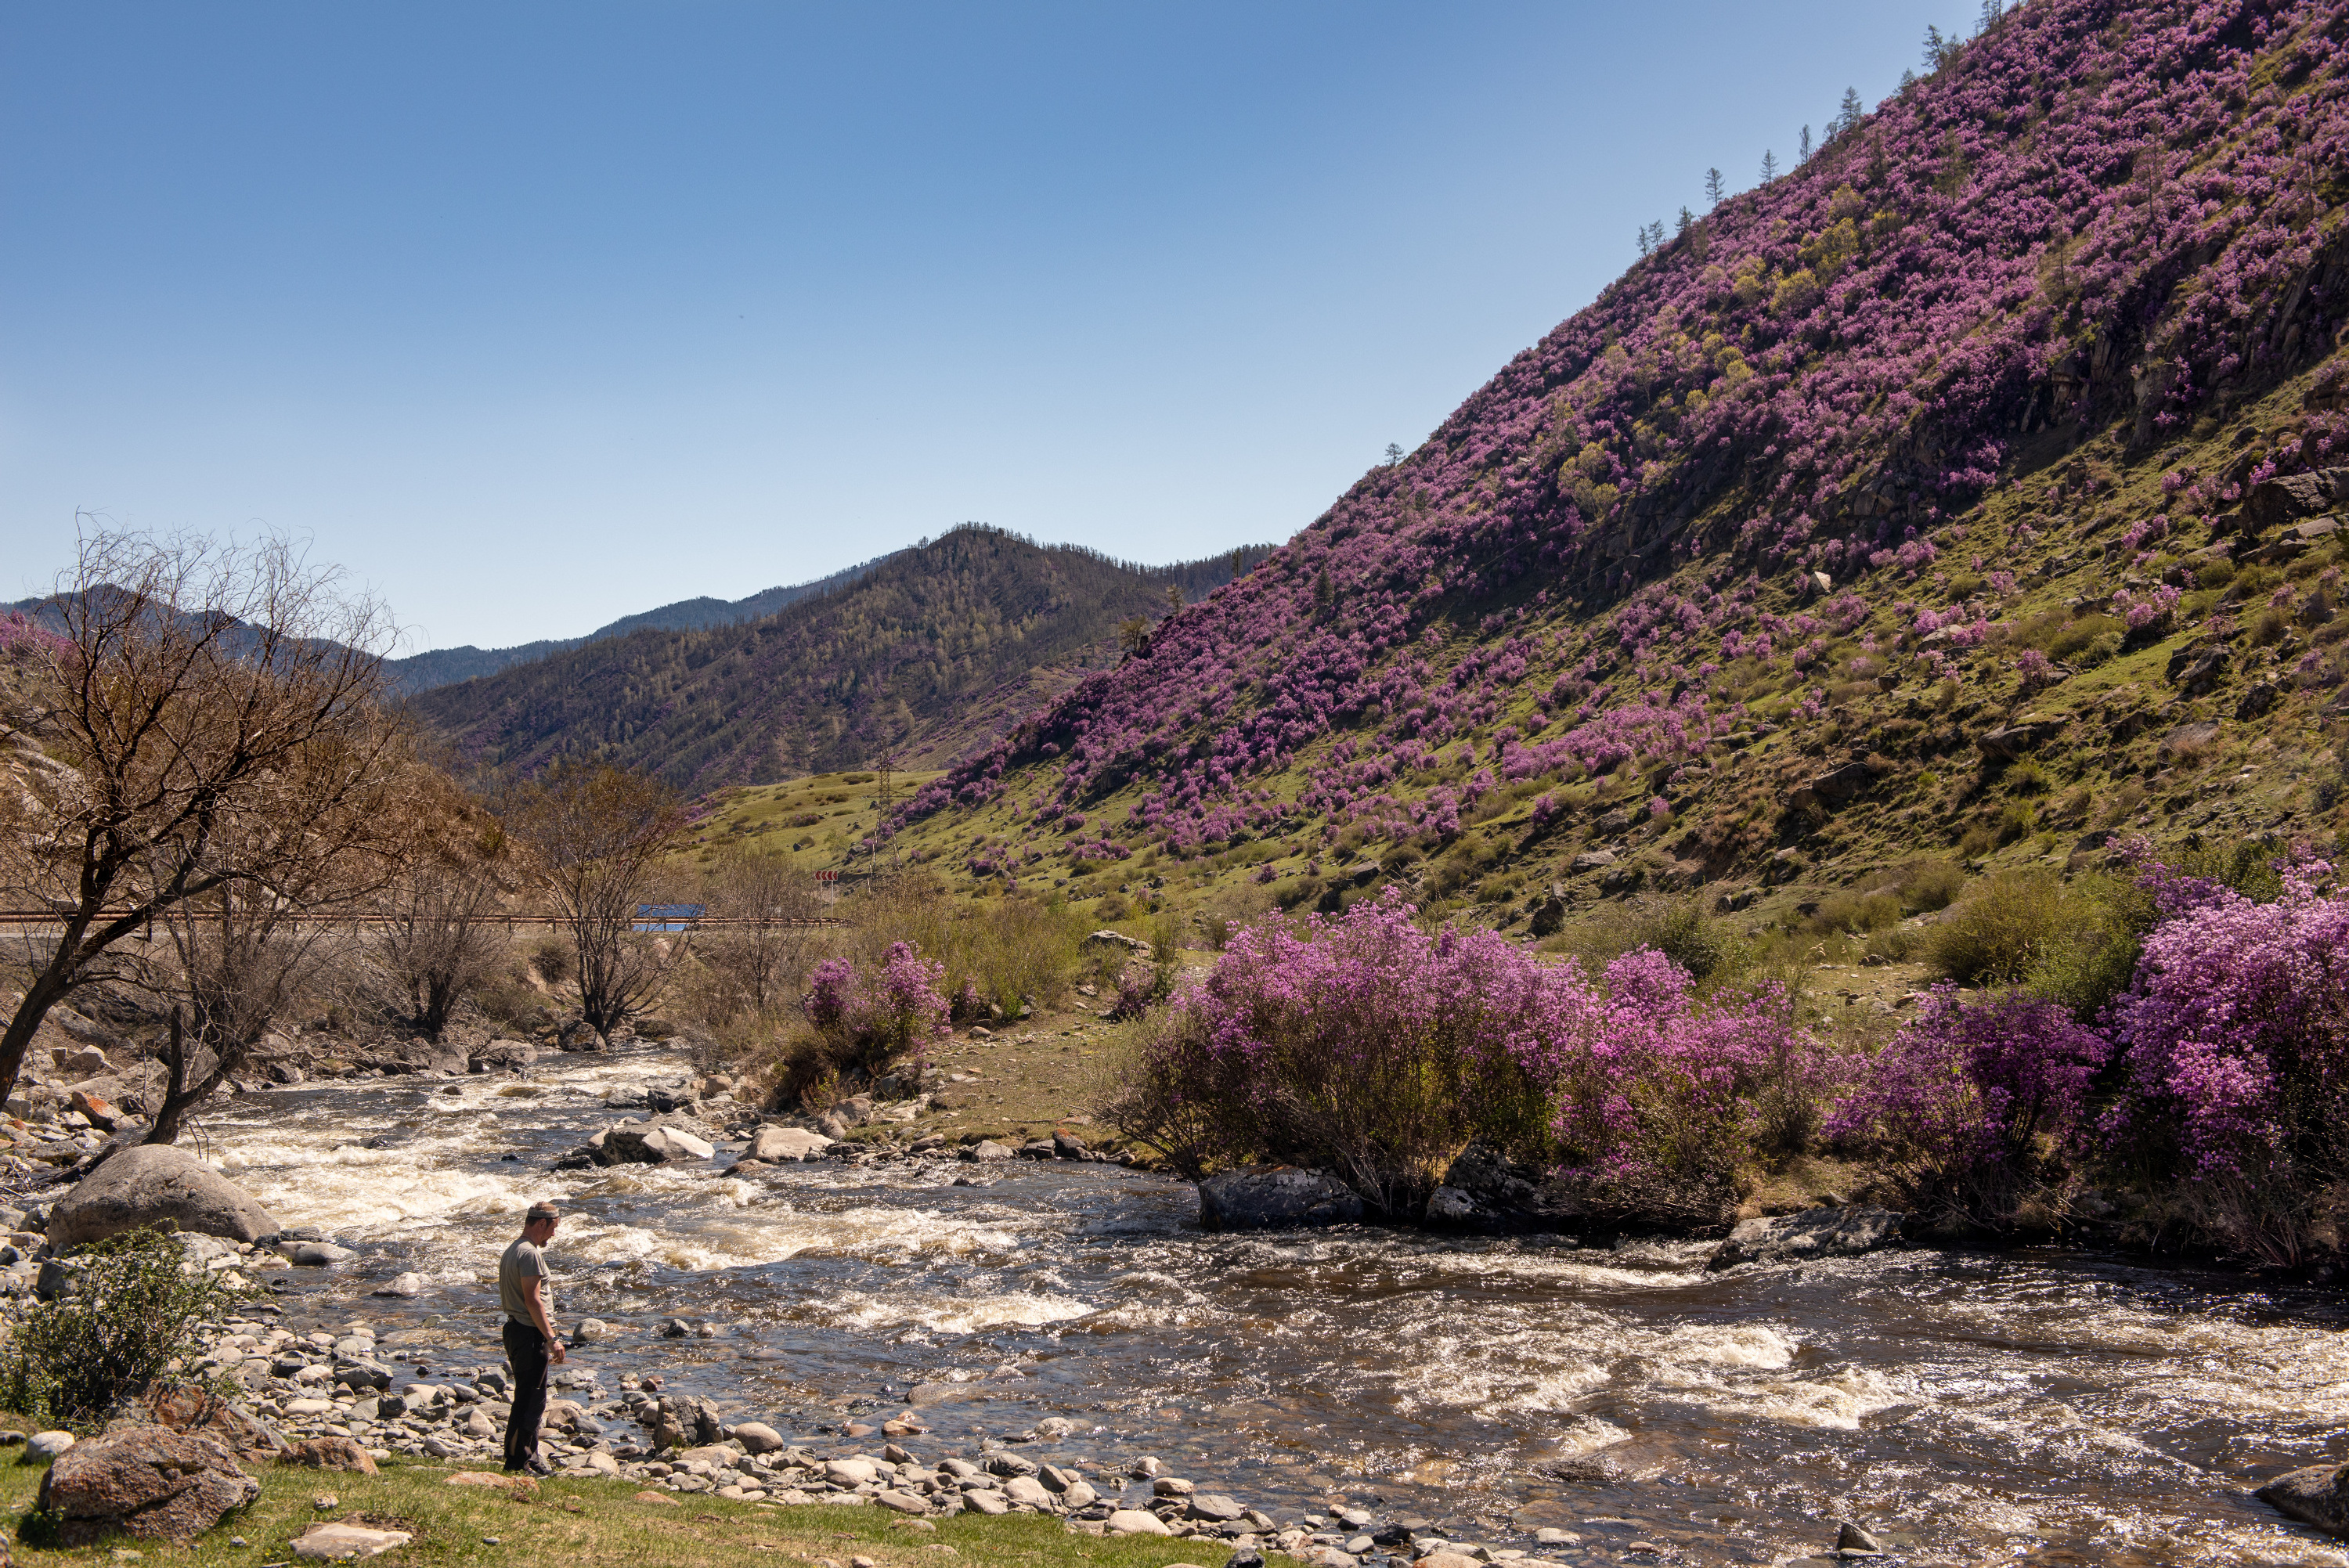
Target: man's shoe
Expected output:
[539,1468]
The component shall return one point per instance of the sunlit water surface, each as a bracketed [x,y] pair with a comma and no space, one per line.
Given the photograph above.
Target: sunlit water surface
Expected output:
[2031,1408]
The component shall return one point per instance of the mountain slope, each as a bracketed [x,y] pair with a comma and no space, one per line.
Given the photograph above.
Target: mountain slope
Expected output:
[445,666]
[932,651]
[1953,425]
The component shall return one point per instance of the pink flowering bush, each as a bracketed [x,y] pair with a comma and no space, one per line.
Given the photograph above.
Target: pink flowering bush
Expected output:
[1977,1101]
[861,1026]
[2236,1035]
[1367,1046]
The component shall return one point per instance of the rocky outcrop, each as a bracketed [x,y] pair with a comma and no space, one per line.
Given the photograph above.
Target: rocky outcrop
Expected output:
[1813,1233]
[2318,1495]
[651,1143]
[154,1183]
[1485,1191]
[144,1481]
[1276,1197]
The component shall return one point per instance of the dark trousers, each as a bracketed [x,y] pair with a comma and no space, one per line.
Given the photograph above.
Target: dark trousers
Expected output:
[526,1354]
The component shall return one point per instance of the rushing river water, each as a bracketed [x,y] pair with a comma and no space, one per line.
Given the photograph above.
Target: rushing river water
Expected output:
[2032,1406]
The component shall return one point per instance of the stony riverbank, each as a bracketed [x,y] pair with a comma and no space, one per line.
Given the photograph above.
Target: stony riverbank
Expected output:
[307,1383]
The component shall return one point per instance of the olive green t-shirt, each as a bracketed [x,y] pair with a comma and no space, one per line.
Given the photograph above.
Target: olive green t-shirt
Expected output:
[519,1272]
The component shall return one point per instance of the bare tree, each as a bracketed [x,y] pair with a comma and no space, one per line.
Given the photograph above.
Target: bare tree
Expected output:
[437,939]
[598,833]
[759,953]
[214,709]
[236,960]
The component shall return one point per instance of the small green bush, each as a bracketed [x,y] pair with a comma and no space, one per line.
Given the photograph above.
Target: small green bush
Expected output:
[551,958]
[131,1311]
[2012,923]
[1928,884]
[1708,948]
[1856,912]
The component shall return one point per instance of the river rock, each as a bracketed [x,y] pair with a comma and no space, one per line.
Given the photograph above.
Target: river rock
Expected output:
[44,1445]
[1026,1491]
[329,1453]
[758,1438]
[770,1143]
[1134,1521]
[143,1481]
[1489,1192]
[985,1502]
[318,1255]
[345,1542]
[2318,1495]
[154,1183]
[986,1148]
[1813,1233]
[502,1056]
[1263,1197]
[1215,1507]
[901,1501]
[649,1144]
[410,1283]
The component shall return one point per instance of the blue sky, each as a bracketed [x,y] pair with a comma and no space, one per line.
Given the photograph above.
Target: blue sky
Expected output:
[533,316]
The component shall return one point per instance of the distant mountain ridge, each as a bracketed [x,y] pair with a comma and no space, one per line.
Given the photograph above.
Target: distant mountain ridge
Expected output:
[439,667]
[929,652]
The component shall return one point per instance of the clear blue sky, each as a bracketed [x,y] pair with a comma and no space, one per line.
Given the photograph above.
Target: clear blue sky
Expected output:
[536,316]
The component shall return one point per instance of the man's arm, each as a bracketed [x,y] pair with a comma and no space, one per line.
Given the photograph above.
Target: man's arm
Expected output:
[541,1290]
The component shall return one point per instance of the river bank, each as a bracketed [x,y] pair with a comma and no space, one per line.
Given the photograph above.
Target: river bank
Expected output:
[2033,1402]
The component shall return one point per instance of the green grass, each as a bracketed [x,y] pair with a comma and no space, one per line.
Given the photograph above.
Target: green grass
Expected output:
[591,1524]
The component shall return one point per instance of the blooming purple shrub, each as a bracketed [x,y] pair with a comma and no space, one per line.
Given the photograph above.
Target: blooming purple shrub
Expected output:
[1976,1099]
[866,1024]
[1368,1046]
[2236,1033]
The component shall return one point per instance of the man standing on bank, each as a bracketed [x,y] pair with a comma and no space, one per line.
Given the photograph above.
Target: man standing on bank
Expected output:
[524,1291]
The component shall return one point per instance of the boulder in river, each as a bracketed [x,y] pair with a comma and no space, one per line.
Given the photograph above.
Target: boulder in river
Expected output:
[1826,1233]
[771,1142]
[156,1182]
[650,1143]
[1265,1197]
[143,1481]
[2318,1495]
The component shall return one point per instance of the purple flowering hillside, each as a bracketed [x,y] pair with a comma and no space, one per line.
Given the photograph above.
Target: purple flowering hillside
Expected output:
[1968,487]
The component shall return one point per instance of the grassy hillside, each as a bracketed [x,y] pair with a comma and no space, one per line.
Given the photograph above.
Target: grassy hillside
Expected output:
[1935,501]
[934,650]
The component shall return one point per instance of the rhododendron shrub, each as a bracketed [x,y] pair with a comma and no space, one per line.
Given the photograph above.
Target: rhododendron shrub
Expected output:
[1977,1101]
[863,1024]
[1367,1046]
[2236,1034]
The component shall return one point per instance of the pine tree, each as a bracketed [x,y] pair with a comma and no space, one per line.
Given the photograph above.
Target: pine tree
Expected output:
[1644,246]
[1939,50]
[1715,188]
[1769,167]
[1395,454]
[1686,220]
[1850,116]
[1802,148]
[1991,10]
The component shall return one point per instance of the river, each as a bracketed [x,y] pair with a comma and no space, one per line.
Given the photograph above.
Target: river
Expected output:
[2035,1407]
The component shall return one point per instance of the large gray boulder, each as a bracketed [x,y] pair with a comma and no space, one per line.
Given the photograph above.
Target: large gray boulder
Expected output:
[153,1185]
[1276,1197]
[785,1143]
[1813,1233]
[143,1481]
[2318,1495]
[649,1144]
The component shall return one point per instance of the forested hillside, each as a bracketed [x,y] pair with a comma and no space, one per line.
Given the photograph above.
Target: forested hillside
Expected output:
[1940,495]
[931,652]
[445,666]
